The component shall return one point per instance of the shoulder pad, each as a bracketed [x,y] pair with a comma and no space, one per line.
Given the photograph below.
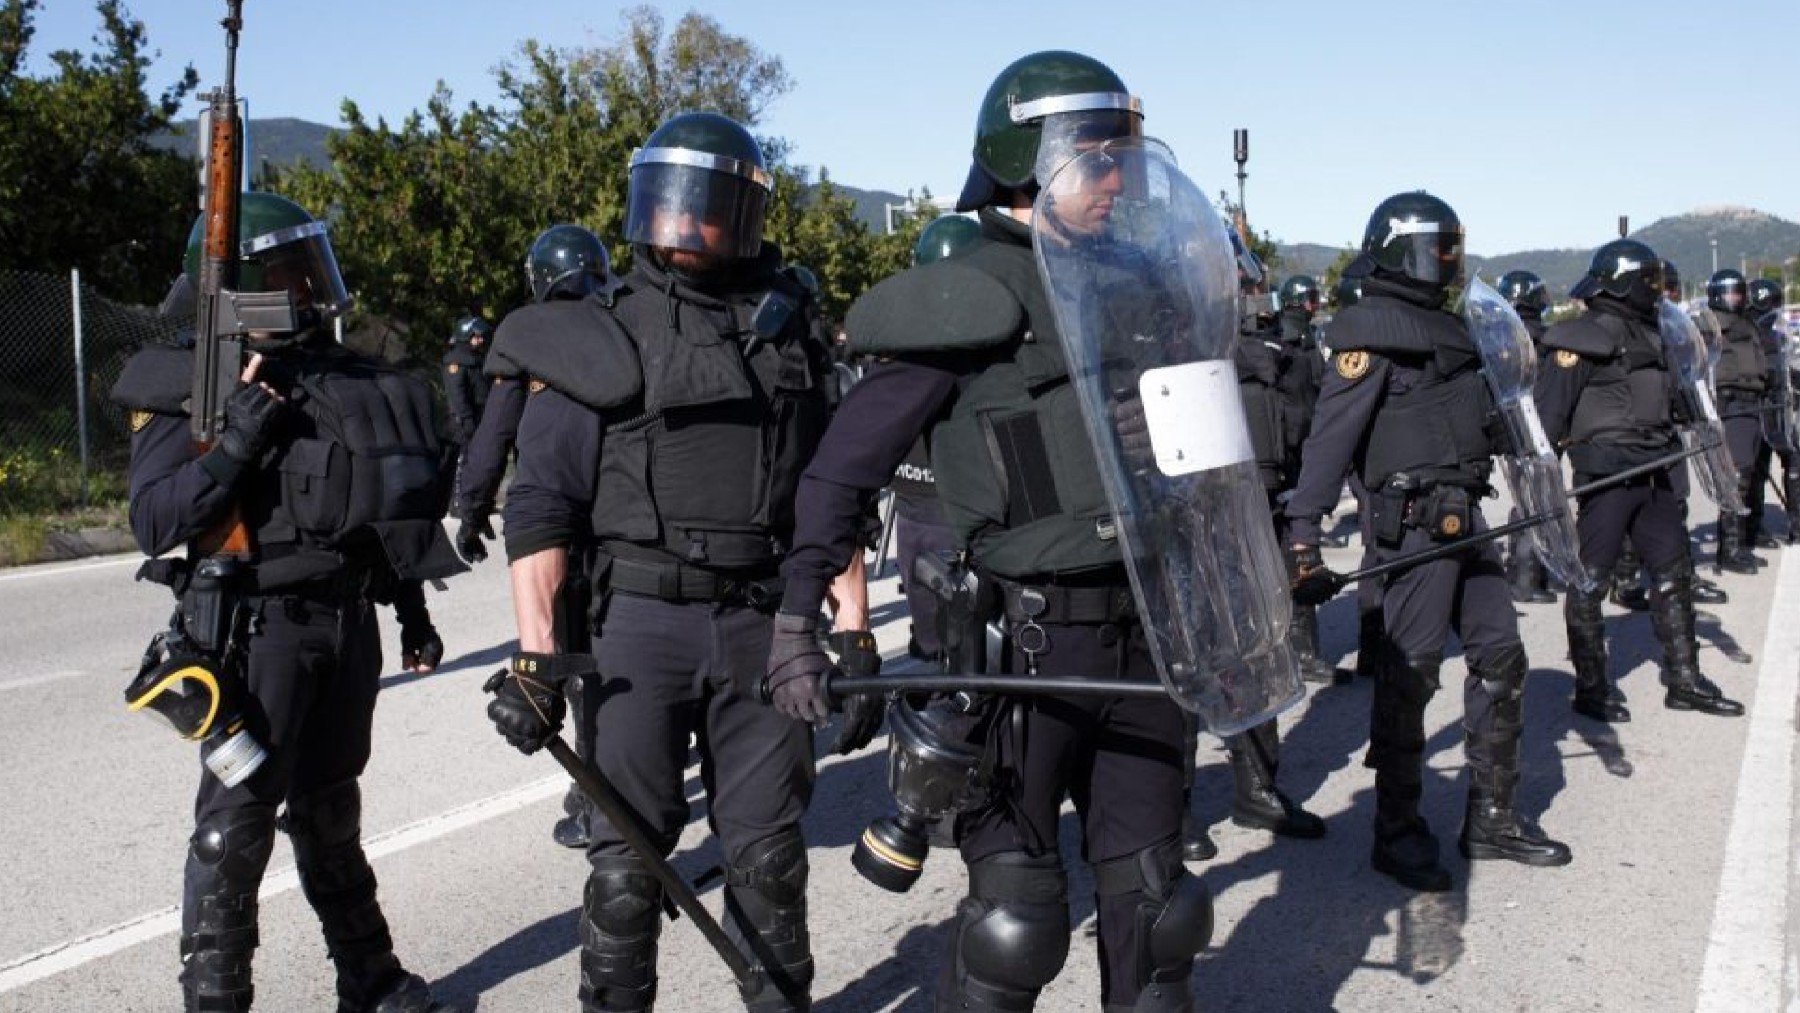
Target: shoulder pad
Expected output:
[575,346]
[1583,335]
[159,378]
[499,366]
[938,307]
[1380,324]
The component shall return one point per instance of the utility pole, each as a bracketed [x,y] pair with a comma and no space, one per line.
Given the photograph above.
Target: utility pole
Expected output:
[1624,226]
[1240,153]
[1715,255]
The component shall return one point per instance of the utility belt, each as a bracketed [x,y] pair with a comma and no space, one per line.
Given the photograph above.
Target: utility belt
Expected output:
[672,581]
[283,571]
[1442,509]
[1599,460]
[1066,605]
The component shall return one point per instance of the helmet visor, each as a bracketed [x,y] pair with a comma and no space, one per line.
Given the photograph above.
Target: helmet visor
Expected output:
[1431,252]
[297,260]
[691,207]
[1064,136]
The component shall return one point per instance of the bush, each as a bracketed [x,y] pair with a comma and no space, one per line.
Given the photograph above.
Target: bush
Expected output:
[35,481]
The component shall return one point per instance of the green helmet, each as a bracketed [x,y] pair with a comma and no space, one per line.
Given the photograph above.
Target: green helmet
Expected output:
[1412,235]
[943,237]
[1036,114]
[567,261]
[699,183]
[1297,290]
[281,248]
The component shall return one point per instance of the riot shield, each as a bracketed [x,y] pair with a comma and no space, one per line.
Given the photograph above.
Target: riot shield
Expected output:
[1139,270]
[1778,415]
[1532,471]
[1691,367]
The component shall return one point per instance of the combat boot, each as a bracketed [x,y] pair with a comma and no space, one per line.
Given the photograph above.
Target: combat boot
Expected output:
[1705,593]
[1625,584]
[1525,577]
[765,915]
[1595,695]
[1256,802]
[1196,843]
[1672,616]
[226,858]
[1303,637]
[1493,702]
[1405,848]
[572,830]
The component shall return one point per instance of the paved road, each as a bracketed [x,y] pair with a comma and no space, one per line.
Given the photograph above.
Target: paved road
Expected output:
[1682,829]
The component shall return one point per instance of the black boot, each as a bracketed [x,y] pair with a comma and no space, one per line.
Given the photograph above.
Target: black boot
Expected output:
[1405,848]
[572,830]
[325,829]
[1595,695]
[1626,582]
[1196,844]
[765,914]
[1371,640]
[621,917]
[1705,593]
[1526,577]
[1672,615]
[1303,637]
[1256,802]
[226,859]
[1493,701]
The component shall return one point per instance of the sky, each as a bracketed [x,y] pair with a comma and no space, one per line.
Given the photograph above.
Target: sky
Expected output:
[1539,122]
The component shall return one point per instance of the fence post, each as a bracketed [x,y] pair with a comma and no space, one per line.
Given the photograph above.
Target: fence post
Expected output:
[81,419]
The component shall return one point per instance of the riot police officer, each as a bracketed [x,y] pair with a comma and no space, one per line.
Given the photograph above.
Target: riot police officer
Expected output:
[1606,396]
[1396,405]
[1301,369]
[339,516]
[465,388]
[674,437]
[1779,437]
[974,362]
[1740,383]
[1525,573]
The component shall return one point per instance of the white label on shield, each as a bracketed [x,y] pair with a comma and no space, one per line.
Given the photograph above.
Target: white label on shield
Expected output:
[1534,426]
[1707,409]
[1195,417]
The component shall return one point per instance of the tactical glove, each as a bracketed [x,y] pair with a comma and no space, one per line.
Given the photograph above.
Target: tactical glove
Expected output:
[1311,582]
[250,417]
[796,661]
[528,706]
[469,535]
[420,647]
[857,656]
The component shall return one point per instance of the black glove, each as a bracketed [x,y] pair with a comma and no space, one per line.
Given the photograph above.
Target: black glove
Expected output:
[863,712]
[796,661]
[420,647]
[250,417]
[469,534]
[1311,582]
[528,706]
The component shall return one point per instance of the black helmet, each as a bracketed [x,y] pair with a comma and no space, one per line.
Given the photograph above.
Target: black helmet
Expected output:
[468,329]
[1297,290]
[1347,293]
[1765,296]
[1036,114]
[1525,291]
[805,278]
[1726,291]
[281,248]
[1624,269]
[699,183]
[1412,235]
[1671,280]
[943,237]
[567,261]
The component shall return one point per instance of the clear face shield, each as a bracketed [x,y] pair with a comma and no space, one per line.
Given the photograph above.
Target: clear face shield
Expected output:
[1072,124]
[1432,251]
[299,261]
[682,199]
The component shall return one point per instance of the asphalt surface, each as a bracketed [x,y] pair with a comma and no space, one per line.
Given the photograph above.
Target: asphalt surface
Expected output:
[1677,900]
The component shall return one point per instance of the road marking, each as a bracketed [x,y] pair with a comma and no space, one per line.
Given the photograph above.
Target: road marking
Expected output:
[73,953]
[39,680]
[54,570]
[1745,951]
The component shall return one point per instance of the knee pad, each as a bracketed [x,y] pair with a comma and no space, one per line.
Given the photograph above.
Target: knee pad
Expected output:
[766,899]
[1416,680]
[621,917]
[236,843]
[774,869]
[1502,671]
[227,854]
[1174,914]
[1014,935]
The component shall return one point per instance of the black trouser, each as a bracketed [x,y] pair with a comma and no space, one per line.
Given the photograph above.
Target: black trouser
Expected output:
[1121,762]
[1743,437]
[918,531]
[1788,477]
[1648,509]
[314,667]
[669,671]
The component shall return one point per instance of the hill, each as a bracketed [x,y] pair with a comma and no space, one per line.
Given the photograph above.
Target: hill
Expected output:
[281,141]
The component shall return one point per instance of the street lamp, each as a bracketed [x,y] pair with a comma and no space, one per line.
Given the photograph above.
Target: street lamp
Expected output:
[1715,253]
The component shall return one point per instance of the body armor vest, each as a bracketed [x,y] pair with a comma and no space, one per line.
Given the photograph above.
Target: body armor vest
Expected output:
[1259,372]
[913,479]
[702,464]
[1437,429]
[1622,417]
[1743,370]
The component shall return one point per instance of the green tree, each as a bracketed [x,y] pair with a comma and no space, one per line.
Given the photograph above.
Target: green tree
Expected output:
[1336,270]
[80,184]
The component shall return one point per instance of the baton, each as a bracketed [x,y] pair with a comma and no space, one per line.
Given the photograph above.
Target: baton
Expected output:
[887,536]
[1602,484]
[834,686]
[1448,548]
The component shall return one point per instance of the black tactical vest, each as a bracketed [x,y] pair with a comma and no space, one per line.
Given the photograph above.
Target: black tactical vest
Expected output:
[913,479]
[1622,417]
[704,462]
[1259,372]
[1743,370]
[1014,470]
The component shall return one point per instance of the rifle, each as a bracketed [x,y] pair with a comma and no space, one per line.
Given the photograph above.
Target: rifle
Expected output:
[218,349]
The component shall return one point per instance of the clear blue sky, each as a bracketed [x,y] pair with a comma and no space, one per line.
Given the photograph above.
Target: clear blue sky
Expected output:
[1540,122]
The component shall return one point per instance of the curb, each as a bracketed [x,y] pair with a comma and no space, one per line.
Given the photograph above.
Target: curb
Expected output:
[62,546]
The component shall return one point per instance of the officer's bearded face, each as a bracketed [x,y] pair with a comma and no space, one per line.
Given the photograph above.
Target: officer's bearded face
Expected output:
[703,240]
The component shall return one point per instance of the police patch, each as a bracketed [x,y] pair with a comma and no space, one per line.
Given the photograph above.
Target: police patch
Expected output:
[140,419]
[1352,365]
[454,369]
[1566,358]
[538,385]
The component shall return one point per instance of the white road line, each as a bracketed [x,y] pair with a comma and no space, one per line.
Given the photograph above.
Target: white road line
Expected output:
[73,953]
[55,570]
[1745,951]
[39,680]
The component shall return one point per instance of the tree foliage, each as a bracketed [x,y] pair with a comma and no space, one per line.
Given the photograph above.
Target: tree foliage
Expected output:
[431,219]
[80,185]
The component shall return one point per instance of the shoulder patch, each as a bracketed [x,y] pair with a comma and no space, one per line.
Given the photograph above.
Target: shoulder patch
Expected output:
[1566,358]
[537,385]
[453,368]
[140,419]
[1352,365]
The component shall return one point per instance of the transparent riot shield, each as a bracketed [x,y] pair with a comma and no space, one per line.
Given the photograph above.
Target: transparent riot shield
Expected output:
[1140,273]
[1532,471]
[1779,421]
[1691,367]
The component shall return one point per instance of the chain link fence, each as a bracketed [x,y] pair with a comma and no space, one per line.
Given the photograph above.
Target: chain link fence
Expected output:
[62,346]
